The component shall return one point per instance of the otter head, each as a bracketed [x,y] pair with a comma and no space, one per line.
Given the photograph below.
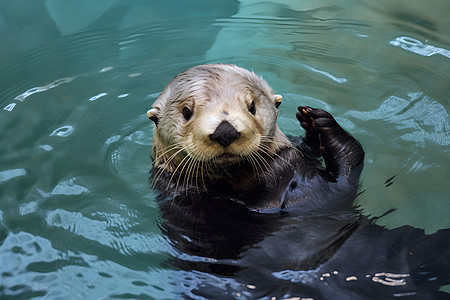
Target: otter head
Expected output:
[214,116]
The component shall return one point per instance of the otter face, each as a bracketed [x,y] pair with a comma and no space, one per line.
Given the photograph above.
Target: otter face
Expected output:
[214,115]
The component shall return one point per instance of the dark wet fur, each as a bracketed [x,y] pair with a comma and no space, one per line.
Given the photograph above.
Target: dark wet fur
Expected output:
[293,231]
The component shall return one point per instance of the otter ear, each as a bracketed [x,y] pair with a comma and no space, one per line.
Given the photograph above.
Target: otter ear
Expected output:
[277,100]
[152,114]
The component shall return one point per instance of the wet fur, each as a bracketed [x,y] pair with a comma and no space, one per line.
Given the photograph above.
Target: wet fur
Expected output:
[285,226]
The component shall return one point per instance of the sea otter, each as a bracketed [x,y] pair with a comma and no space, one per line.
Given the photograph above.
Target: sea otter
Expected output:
[256,215]
[216,134]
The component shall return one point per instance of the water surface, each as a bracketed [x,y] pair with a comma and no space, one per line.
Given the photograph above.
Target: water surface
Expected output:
[77,216]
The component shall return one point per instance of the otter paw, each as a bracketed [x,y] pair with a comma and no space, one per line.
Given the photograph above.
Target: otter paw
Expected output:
[315,120]
[306,121]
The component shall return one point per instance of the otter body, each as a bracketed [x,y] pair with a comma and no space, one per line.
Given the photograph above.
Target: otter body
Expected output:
[255,215]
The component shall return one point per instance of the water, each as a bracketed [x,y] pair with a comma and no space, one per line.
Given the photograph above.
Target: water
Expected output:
[77,216]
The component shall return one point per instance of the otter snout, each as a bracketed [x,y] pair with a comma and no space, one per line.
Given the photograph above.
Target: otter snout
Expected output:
[225,134]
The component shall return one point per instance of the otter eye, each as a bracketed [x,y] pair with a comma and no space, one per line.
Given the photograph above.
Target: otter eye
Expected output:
[187,114]
[252,108]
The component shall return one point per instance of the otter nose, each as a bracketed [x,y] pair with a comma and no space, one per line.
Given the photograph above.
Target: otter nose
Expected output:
[225,134]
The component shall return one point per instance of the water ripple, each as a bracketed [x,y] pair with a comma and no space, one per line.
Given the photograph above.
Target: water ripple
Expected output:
[96,97]
[421,117]
[80,217]
[69,187]
[416,46]
[63,131]
[6,175]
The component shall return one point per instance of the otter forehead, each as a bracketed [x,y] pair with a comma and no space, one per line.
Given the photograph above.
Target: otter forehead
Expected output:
[215,82]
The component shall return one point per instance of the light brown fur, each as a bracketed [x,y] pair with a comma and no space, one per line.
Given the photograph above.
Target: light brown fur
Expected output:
[214,93]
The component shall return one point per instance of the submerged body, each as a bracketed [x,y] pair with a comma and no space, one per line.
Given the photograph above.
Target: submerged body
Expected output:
[264,216]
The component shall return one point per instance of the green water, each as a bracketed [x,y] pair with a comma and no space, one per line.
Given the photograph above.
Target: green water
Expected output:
[77,216]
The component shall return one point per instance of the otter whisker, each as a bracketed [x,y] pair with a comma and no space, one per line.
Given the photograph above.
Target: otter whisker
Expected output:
[185,173]
[206,167]
[269,152]
[192,169]
[265,145]
[264,165]
[262,159]
[274,142]
[203,178]
[191,172]
[182,163]
[209,168]
[273,154]
[165,151]
[162,168]
[200,165]
[168,161]
[189,176]
[254,163]
[274,146]
[280,144]
[164,161]
[168,149]
[195,175]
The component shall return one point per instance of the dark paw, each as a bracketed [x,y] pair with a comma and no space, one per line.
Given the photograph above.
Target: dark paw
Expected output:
[340,151]
[316,121]
[321,128]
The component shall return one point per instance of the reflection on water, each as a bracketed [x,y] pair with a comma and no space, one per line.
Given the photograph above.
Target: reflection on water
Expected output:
[77,216]
[418,47]
[62,131]
[40,89]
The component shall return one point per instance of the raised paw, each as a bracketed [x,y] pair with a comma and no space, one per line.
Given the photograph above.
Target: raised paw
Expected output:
[341,152]
[306,121]
[316,120]
[320,127]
